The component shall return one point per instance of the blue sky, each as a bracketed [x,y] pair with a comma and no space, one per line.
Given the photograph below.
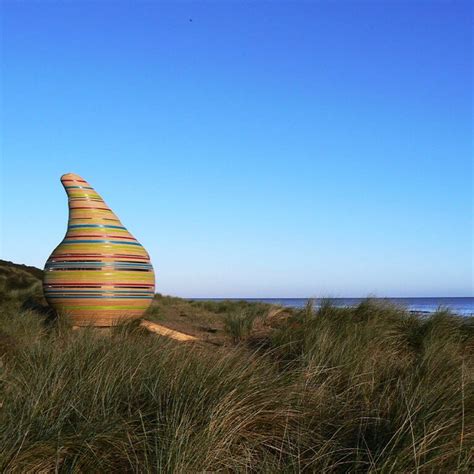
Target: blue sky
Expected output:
[259,149]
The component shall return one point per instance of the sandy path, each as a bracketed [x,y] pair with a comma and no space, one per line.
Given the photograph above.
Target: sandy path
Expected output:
[163,331]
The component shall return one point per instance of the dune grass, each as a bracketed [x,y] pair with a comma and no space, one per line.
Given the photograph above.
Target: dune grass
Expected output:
[392,390]
[78,400]
[17,284]
[365,389]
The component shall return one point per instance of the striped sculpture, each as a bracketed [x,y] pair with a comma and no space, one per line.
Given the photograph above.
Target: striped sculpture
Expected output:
[99,274]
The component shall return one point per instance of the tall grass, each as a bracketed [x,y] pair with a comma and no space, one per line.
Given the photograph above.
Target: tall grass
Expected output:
[76,400]
[393,391]
[239,324]
[370,388]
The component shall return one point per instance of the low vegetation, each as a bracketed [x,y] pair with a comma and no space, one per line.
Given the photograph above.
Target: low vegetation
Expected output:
[322,389]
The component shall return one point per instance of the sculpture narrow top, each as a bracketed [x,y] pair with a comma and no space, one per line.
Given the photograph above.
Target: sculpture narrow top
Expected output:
[85,203]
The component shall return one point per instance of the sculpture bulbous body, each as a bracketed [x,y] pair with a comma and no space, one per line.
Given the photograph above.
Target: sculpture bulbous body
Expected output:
[99,274]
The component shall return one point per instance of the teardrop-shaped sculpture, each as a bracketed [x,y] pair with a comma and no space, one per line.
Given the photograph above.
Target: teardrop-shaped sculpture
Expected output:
[99,274]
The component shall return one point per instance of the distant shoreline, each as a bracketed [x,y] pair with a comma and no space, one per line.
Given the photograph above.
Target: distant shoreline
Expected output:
[462,305]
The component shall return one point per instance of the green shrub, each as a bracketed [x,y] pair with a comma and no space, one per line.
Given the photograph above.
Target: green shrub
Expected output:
[231,306]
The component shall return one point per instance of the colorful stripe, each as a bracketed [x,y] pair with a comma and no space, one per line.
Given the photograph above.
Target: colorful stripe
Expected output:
[99,273]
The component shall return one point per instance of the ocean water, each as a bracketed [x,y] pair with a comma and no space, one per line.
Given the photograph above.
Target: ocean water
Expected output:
[462,305]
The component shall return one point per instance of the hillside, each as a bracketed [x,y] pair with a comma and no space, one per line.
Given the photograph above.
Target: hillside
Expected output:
[365,389]
[19,281]
[202,319]
[36,272]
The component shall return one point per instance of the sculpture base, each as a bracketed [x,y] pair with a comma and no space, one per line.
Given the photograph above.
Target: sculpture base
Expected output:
[100,320]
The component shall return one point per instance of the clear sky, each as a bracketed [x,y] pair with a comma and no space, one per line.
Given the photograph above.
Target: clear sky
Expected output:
[256,149]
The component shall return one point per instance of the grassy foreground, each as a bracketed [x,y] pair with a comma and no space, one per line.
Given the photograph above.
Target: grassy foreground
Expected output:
[371,388]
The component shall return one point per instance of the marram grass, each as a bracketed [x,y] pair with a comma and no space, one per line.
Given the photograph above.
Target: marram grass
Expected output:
[369,389]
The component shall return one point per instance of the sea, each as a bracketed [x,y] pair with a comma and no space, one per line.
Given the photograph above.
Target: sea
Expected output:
[460,305]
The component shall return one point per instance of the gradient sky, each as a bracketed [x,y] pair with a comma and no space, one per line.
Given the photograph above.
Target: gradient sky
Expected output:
[256,149]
